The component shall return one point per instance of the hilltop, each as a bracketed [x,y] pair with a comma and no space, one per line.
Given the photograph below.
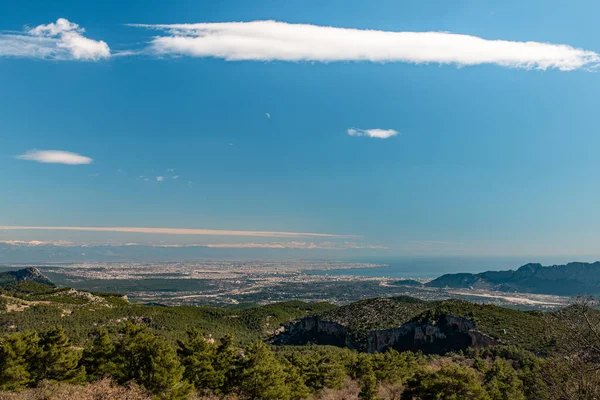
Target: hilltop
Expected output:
[32,302]
[405,323]
[566,280]
[30,274]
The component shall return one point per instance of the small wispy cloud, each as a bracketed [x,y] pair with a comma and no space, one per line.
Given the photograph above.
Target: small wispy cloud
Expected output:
[286,245]
[55,157]
[439,242]
[274,40]
[60,40]
[160,178]
[373,133]
[178,231]
[170,170]
[37,243]
[175,177]
[268,115]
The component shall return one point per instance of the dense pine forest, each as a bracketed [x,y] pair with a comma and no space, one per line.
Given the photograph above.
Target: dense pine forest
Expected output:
[59,343]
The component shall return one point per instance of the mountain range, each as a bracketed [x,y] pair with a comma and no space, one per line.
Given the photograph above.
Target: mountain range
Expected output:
[567,280]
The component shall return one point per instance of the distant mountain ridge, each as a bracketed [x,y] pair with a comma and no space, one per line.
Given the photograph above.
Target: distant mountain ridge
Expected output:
[567,280]
[31,274]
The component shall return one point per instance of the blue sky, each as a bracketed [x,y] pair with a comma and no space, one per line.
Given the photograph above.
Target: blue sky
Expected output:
[488,159]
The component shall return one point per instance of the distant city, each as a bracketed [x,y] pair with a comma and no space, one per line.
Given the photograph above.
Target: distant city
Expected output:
[230,283]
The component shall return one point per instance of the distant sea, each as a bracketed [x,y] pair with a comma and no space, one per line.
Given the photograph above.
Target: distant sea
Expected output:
[432,267]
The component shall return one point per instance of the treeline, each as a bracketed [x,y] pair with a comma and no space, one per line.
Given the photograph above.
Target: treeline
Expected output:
[40,311]
[201,366]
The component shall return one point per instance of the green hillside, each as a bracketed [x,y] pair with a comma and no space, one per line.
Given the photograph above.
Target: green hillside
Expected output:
[375,313]
[53,340]
[529,329]
[34,306]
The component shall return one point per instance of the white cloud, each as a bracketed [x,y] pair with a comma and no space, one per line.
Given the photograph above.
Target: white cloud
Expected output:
[160,178]
[55,157]
[37,243]
[175,177]
[296,245]
[268,115]
[273,40]
[176,231]
[373,133]
[61,40]
[274,245]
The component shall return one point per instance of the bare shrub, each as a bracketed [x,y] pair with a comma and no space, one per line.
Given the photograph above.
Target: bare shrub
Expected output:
[390,391]
[575,374]
[349,391]
[103,389]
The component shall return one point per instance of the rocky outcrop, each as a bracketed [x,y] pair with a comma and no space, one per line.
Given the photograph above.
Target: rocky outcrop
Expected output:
[92,298]
[28,274]
[313,330]
[445,333]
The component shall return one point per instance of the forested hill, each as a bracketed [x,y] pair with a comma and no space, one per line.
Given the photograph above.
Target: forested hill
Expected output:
[567,280]
[403,323]
[66,344]
[28,304]
[32,302]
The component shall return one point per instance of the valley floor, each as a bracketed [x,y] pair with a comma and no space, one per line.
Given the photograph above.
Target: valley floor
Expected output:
[235,283]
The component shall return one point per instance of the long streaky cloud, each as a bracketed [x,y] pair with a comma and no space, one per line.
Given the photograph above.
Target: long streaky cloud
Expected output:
[179,231]
[55,157]
[296,245]
[273,40]
[60,40]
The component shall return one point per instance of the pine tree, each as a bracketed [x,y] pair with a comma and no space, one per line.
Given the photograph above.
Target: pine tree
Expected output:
[502,382]
[368,385]
[99,358]
[392,366]
[16,353]
[225,365]
[150,361]
[197,357]
[451,382]
[323,371]
[56,359]
[262,377]
[297,387]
